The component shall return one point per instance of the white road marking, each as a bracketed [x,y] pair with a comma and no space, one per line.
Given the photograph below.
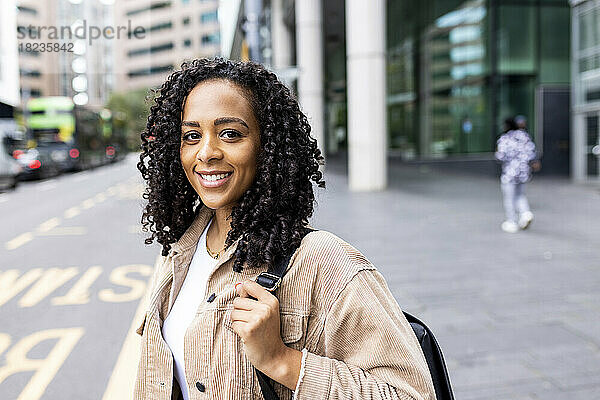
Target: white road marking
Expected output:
[65,231]
[72,212]
[19,241]
[48,225]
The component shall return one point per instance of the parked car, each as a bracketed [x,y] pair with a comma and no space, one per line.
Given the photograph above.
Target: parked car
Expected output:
[63,154]
[9,168]
[37,163]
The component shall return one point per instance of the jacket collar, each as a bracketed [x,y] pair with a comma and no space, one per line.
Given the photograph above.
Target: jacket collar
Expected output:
[186,245]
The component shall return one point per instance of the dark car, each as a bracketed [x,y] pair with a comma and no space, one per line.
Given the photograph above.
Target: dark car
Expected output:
[38,163]
[9,168]
[63,154]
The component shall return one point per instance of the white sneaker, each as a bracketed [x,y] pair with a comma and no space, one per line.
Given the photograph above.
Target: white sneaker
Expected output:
[525,219]
[510,227]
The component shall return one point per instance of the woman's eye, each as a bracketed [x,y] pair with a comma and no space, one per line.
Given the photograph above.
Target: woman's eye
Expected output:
[191,136]
[230,134]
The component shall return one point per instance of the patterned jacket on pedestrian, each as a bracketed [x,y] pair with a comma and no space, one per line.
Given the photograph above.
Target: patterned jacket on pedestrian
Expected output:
[516,150]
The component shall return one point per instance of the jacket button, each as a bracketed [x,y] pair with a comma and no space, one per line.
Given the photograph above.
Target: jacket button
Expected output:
[211,298]
[200,387]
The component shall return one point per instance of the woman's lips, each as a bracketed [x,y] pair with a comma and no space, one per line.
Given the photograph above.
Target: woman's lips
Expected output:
[213,184]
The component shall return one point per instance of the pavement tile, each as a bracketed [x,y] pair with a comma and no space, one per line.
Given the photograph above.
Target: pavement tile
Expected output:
[518,316]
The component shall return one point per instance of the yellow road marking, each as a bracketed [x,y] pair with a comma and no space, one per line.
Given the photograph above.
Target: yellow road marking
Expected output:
[12,284]
[19,241]
[100,197]
[86,204]
[72,212]
[135,229]
[46,226]
[4,342]
[65,231]
[80,292]
[45,369]
[122,380]
[52,279]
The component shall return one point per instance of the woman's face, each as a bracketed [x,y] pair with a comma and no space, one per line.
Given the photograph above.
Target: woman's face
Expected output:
[220,142]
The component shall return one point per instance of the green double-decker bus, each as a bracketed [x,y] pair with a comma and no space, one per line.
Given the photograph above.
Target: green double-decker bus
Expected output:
[88,138]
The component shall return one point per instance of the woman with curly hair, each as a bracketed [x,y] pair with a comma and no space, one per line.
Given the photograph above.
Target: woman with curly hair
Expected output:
[230,166]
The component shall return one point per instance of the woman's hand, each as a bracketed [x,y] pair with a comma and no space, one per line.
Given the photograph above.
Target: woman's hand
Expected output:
[258,325]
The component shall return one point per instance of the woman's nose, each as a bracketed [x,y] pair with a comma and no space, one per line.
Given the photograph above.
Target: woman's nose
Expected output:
[209,149]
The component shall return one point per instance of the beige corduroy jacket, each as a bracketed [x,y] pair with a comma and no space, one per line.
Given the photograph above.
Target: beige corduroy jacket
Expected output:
[333,303]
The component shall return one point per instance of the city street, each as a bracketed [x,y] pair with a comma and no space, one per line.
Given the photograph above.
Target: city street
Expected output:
[516,315]
[73,270]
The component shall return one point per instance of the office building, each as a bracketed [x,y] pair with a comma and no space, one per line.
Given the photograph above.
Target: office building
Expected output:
[427,81]
[161,35]
[59,55]
[585,67]
[9,71]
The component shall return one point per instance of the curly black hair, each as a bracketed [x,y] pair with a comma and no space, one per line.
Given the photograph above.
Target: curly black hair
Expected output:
[271,216]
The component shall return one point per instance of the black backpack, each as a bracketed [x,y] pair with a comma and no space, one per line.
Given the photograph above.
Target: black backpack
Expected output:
[433,353]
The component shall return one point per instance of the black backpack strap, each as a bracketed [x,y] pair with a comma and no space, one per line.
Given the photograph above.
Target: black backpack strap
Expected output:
[433,356]
[271,280]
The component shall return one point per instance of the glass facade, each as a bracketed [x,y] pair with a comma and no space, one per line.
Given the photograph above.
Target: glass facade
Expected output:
[456,69]
[586,89]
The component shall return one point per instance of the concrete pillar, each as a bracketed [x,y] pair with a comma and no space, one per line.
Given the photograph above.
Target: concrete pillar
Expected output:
[309,60]
[366,88]
[281,37]
[252,10]
[578,148]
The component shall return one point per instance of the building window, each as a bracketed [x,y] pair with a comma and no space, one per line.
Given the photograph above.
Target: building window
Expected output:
[31,52]
[32,92]
[27,10]
[149,71]
[187,42]
[154,28]
[150,50]
[209,17]
[30,73]
[186,21]
[212,38]
[154,6]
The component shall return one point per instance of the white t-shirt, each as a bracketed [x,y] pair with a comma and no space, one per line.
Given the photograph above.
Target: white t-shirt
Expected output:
[184,309]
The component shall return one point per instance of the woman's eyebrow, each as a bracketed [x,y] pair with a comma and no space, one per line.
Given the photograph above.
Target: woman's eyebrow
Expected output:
[190,123]
[225,120]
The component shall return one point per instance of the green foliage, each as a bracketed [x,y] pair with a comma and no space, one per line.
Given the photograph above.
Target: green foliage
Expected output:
[132,109]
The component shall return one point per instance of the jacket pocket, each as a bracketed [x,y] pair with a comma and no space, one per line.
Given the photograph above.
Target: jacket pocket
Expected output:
[293,328]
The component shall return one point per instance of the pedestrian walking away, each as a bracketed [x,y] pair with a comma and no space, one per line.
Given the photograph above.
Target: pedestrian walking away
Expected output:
[516,151]
[230,167]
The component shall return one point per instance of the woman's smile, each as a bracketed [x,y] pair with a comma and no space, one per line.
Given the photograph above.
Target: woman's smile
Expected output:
[213,179]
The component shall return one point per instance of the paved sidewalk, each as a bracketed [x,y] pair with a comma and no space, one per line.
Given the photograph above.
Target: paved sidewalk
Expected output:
[517,315]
